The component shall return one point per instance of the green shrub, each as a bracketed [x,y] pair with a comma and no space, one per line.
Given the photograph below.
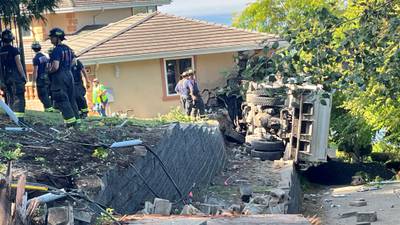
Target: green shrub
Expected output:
[175,115]
[10,151]
[100,153]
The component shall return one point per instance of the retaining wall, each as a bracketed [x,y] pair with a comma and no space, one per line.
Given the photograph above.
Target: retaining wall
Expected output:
[290,183]
[193,154]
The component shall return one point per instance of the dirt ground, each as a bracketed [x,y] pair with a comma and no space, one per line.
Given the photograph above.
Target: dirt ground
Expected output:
[240,170]
[328,203]
[57,154]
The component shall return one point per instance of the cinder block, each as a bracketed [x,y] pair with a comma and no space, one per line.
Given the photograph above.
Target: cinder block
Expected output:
[367,217]
[358,203]
[162,207]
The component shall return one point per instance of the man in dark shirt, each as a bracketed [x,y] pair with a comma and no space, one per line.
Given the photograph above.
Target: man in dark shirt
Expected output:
[62,83]
[40,62]
[77,71]
[14,75]
[198,103]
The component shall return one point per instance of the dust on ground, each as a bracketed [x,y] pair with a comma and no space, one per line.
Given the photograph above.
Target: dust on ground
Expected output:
[329,203]
[240,170]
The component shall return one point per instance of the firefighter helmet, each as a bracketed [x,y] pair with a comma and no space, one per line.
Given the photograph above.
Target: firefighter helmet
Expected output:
[7,36]
[57,32]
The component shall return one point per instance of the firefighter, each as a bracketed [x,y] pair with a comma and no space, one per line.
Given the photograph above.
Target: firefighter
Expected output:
[40,62]
[62,82]
[77,71]
[14,75]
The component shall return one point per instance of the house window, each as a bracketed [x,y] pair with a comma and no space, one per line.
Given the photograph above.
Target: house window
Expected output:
[173,70]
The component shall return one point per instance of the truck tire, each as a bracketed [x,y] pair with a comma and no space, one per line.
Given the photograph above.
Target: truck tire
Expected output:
[261,92]
[264,101]
[266,155]
[267,146]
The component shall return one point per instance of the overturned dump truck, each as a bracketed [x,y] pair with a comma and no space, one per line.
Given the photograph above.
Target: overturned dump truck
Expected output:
[289,121]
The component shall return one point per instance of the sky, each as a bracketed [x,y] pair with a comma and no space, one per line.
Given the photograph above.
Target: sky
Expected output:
[217,11]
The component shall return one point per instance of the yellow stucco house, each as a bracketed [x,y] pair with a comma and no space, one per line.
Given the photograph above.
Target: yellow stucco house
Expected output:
[139,58]
[77,17]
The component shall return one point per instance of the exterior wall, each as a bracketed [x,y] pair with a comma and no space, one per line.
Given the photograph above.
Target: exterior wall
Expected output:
[65,21]
[139,87]
[99,17]
[210,68]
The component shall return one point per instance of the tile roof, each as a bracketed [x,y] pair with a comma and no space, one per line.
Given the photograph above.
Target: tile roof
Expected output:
[84,39]
[89,5]
[160,34]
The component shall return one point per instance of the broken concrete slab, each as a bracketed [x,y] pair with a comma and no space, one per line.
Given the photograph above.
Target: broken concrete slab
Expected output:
[148,208]
[189,210]
[367,217]
[246,191]
[61,216]
[261,200]
[358,203]
[162,207]
[209,209]
[348,214]
[83,215]
[255,209]
[235,208]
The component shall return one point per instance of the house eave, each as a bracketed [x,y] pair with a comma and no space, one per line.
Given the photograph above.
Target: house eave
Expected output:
[172,54]
[111,6]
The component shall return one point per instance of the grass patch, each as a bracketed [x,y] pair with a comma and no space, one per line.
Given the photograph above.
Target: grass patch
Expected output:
[55,119]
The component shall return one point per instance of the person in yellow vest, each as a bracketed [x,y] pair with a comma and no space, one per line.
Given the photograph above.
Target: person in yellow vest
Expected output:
[100,98]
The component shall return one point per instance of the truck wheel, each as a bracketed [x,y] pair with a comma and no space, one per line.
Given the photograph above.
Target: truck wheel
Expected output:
[264,101]
[266,155]
[267,146]
[262,92]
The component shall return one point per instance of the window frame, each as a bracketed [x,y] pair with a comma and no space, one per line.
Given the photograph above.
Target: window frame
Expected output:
[30,30]
[166,94]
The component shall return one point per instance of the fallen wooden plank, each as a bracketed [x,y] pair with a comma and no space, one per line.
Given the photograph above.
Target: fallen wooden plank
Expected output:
[5,203]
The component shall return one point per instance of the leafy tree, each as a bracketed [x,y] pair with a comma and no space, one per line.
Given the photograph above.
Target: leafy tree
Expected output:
[23,12]
[350,132]
[274,16]
[354,52]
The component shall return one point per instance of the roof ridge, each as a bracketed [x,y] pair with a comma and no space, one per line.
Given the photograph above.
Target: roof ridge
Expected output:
[216,24]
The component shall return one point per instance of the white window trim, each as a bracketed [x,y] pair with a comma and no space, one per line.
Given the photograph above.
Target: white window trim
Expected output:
[165,72]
